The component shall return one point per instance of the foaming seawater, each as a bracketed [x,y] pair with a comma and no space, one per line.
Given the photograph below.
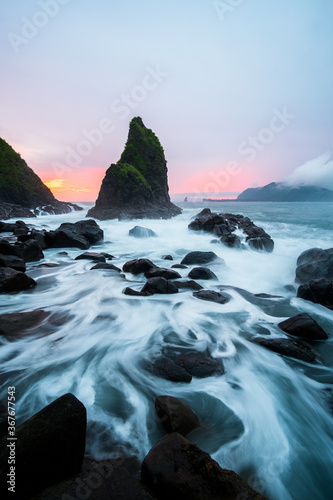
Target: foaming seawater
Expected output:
[269,418]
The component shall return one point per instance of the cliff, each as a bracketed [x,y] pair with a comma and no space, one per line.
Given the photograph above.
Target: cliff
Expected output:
[21,190]
[136,186]
[277,191]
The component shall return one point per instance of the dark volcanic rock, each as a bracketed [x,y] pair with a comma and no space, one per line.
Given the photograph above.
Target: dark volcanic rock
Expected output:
[202,273]
[135,293]
[179,266]
[137,186]
[81,234]
[138,266]
[302,325]
[14,281]
[188,285]
[261,243]
[167,257]
[49,447]
[291,348]
[175,415]
[15,324]
[318,291]
[12,211]
[181,470]
[314,264]
[168,369]
[199,258]
[13,227]
[157,272]
[142,232]
[211,296]
[13,262]
[200,364]
[159,285]
[32,251]
[105,265]
[90,230]
[95,257]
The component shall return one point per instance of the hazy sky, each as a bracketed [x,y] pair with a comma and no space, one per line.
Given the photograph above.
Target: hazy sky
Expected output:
[239,92]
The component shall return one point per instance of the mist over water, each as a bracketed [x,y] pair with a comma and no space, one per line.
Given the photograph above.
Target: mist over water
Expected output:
[268,417]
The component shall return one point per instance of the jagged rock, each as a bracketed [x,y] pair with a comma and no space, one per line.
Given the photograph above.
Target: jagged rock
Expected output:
[81,234]
[202,273]
[180,469]
[318,291]
[105,265]
[314,264]
[14,281]
[159,285]
[31,251]
[10,227]
[168,369]
[157,272]
[3,421]
[49,447]
[137,186]
[142,232]
[135,293]
[199,258]
[188,285]
[14,325]
[138,266]
[21,190]
[7,249]
[13,262]
[90,230]
[95,257]
[291,348]
[302,325]
[261,243]
[211,296]
[175,415]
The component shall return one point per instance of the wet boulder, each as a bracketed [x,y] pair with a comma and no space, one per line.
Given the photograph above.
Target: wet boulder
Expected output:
[138,266]
[13,262]
[211,296]
[14,325]
[157,272]
[202,273]
[135,293]
[167,257]
[180,469]
[168,369]
[313,264]
[200,364]
[90,230]
[318,291]
[159,285]
[261,243]
[197,257]
[31,251]
[81,234]
[290,348]
[142,232]
[302,325]
[14,281]
[94,256]
[175,415]
[188,285]
[106,266]
[49,448]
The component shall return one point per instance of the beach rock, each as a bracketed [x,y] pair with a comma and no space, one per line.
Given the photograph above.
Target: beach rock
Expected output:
[313,264]
[137,186]
[202,273]
[95,257]
[14,325]
[14,281]
[135,293]
[181,470]
[179,266]
[90,230]
[291,348]
[168,369]
[200,364]
[49,448]
[81,234]
[39,236]
[13,262]
[175,415]
[167,257]
[188,285]
[302,325]
[108,256]
[199,258]
[260,243]
[157,272]
[318,291]
[138,266]
[142,232]
[105,265]
[211,296]
[7,249]
[159,285]
[3,421]
[31,251]
[10,227]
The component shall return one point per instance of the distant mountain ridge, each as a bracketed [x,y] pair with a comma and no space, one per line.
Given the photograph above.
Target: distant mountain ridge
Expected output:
[278,191]
[21,190]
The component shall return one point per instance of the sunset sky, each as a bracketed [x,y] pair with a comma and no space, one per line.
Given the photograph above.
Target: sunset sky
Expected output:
[239,92]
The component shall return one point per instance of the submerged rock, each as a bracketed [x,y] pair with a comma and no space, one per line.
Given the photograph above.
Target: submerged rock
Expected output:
[136,186]
[188,285]
[318,291]
[175,415]
[211,296]
[107,266]
[14,325]
[302,325]
[142,232]
[291,348]
[49,448]
[197,257]
[179,469]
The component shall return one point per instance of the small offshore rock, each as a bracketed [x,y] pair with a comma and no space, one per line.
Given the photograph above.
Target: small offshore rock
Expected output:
[188,285]
[302,325]
[202,273]
[167,257]
[175,415]
[211,296]
[105,265]
[319,291]
[135,293]
[179,266]
[142,232]
[168,369]
[14,281]
[197,257]
[138,266]
[160,285]
[157,272]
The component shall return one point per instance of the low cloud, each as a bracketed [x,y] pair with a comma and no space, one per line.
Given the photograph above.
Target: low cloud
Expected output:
[316,172]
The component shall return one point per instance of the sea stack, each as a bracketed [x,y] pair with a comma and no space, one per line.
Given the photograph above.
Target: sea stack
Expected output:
[137,186]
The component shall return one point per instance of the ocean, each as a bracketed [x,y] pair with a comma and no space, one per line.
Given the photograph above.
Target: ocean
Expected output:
[268,417]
